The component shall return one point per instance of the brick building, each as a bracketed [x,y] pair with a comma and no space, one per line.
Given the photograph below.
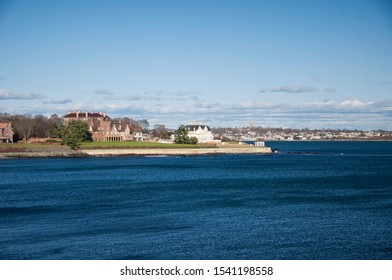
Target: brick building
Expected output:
[101,126]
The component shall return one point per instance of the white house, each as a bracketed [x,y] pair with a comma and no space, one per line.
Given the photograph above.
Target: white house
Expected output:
[201,132]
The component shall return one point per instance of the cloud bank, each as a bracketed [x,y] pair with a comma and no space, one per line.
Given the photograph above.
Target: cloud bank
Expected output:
[105,92]
[6,94]
[59,101]
[292,89]
[175,108]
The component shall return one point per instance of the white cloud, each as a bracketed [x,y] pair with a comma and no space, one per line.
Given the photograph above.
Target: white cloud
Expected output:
[204,104]
[348,113]
[6,94]
[133,97]
[294,89]
[252,105]
[106,92]
[386,105]
[161,95]
[59,101]
[353,103]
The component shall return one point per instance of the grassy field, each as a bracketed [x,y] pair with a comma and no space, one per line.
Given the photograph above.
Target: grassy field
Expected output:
[17,147]
[45,150]
[29,146]
[140,145]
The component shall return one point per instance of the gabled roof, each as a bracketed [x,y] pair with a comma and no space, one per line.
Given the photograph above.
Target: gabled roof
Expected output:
[95,124]
[196,127]
[120,127]
[137,129]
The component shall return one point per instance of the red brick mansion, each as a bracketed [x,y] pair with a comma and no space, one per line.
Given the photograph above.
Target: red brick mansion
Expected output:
[103,128]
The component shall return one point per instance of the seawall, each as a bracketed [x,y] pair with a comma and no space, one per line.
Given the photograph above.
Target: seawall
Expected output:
[177,152]
[137,152]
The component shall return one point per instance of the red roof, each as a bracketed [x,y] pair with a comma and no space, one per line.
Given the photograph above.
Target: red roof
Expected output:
[85,115]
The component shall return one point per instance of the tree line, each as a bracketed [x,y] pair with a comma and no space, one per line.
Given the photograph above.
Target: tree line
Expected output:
[27,126]
[38,126]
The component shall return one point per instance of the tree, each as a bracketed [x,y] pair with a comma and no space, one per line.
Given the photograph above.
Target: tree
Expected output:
[193,140]
[144,124]
[26,126]
[56,126]
[41,126]
[124,120]
[181,136]
[57,130]
[160,131]
[75,133]
[23,125]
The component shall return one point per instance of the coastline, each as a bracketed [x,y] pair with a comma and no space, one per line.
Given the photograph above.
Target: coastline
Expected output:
[138,152]
[42,154]
[178,152]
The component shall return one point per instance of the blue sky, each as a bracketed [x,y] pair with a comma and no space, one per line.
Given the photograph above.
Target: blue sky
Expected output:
[315,64]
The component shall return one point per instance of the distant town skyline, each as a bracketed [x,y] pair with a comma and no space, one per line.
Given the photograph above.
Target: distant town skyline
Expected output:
[315,64]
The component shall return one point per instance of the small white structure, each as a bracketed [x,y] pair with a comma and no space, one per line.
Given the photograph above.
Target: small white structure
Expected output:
[137,136]
[259,144]
[201,132]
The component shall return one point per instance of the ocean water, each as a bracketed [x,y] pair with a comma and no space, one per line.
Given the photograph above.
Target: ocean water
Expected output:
[310,200]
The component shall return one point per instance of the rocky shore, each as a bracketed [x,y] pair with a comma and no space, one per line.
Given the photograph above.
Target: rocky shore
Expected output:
[178,152]
[42,154]
[138,152]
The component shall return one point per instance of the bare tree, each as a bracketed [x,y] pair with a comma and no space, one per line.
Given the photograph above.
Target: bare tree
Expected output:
[160,131]
[41,126]
[144,124]
[23,125]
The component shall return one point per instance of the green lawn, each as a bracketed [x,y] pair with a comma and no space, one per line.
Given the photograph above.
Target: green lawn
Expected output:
[19,147]
[28,145]
[14,147]
[140,145]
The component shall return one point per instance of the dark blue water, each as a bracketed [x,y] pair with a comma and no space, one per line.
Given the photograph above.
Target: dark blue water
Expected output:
[311,200]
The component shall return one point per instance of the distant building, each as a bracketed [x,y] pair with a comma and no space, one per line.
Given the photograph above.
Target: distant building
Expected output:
[201,132]
[137,135]
[6,132]
[102,127]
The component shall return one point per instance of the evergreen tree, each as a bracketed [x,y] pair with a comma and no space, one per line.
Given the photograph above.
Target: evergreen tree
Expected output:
[57,130]
[181,136]
[75,133]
